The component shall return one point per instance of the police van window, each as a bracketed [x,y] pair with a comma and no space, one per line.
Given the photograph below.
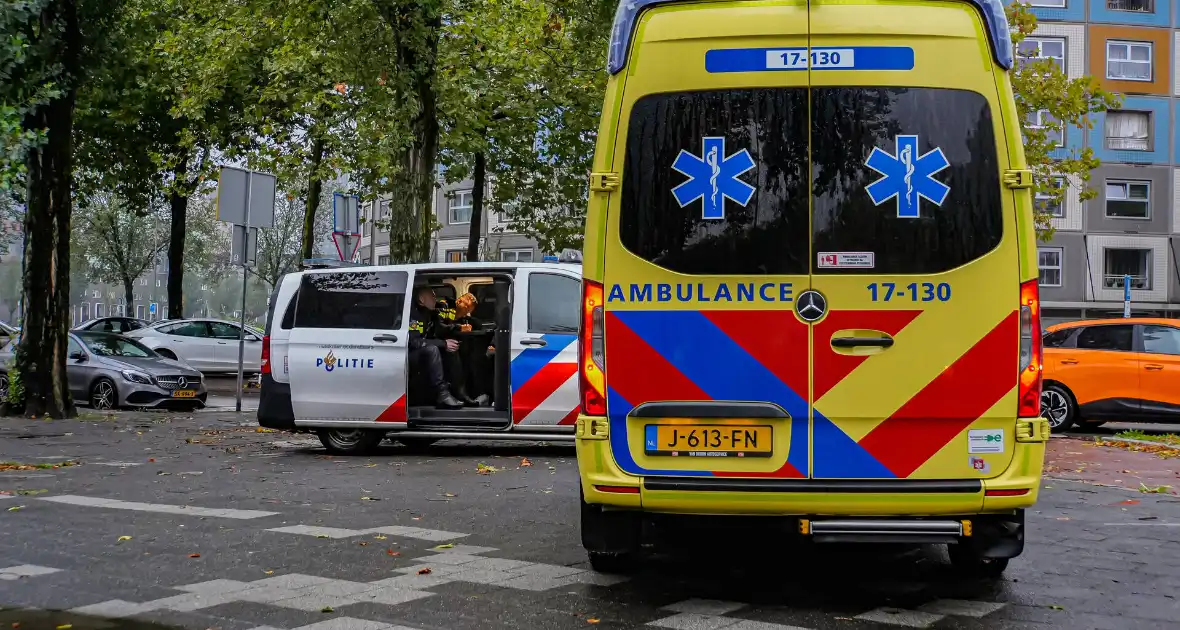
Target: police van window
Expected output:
[1106,338]
[289,313]
[1056,339]
[682,219]
[554,303]
[352,299]
[914,129]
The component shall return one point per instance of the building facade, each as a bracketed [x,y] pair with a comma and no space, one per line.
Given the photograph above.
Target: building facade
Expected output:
[452,206]
[149,297]
[1132,227]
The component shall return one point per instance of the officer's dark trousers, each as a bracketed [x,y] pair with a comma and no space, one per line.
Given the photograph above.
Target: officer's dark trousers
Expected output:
[437,366]
[477,366]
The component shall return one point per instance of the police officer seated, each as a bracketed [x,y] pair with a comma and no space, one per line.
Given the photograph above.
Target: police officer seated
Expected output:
[432,355]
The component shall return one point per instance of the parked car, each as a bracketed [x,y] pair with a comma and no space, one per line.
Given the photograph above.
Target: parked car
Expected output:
[117,325]
[337,353]
[1111,369]
[7,332]
[108,371]
[209,345]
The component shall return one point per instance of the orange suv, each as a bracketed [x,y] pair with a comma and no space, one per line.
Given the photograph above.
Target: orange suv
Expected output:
[1111,369]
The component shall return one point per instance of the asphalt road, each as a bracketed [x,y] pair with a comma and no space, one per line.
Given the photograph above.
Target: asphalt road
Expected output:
[201,522]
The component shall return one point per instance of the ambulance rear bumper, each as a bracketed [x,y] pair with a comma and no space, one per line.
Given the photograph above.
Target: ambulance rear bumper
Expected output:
[605,484]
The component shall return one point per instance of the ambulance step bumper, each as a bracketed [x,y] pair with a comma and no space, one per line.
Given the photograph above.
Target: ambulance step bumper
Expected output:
[445,434]
[924,531]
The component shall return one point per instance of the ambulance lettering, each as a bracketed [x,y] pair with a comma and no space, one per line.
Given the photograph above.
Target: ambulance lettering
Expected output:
[699,292]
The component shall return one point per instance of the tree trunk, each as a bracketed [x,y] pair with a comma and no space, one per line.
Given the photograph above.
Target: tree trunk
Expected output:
[41,357]
[178,201]
[128,294]
[315,187]
[479,174]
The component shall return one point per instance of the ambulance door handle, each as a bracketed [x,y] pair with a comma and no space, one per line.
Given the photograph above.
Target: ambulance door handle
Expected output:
[855,342]
[385,337]
[534,342]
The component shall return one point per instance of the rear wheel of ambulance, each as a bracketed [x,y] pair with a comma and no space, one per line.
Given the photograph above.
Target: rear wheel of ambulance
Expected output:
[611,538]
[350,441]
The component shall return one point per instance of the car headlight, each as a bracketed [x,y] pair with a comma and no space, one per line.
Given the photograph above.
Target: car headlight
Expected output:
[137,377]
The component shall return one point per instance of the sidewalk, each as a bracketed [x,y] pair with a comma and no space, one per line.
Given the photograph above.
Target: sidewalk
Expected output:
[1083,459]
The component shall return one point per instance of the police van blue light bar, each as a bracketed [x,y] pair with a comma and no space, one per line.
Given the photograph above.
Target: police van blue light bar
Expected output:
[623,30]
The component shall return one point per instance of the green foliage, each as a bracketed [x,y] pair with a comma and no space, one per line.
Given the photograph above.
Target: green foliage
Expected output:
[1042,86]
[117,243]
[16,390]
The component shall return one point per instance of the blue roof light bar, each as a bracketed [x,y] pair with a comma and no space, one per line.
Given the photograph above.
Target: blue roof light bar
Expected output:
[628,12]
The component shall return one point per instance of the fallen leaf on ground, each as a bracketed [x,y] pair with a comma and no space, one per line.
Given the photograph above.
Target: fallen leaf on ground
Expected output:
[16,624]
[321,535]
[369,499]
[1129,502]
[1153,490]
[151,459]
[446,546]
[392,552]
[484,469]
[16,508]
[65,626]
[269,572]
[29,493]
[363,543]
[425,571]
[123,538]
[194,555]
[264,430]
[381,537]
[1063,518]
[592,620]
[524,462]
[1057,607]
[327,609]
[448,494]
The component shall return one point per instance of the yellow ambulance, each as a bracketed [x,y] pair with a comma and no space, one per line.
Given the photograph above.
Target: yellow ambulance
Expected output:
[810,278]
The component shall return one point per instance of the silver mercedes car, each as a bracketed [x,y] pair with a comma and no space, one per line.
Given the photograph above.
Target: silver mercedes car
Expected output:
[108,371]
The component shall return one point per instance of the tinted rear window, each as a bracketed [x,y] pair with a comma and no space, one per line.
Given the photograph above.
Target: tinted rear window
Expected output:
[849,123]
[767,235]
[354,299]
[1056,339]
[1113,337]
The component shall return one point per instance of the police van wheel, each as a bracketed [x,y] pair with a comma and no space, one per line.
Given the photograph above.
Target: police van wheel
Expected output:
[350,441]
[968,561]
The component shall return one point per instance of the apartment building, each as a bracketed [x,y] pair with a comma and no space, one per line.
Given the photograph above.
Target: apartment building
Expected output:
[149,297]
[1132,228]
[452,205]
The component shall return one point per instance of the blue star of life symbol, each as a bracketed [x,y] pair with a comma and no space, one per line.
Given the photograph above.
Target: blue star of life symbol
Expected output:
[713,178]
[906,177]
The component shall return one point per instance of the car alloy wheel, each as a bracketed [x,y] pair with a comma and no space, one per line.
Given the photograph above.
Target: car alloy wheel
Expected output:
[102,395]
[1055,407]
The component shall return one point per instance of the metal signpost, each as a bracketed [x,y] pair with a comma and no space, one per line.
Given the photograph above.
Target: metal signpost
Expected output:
[245,199]
[346,225]
[1127,295]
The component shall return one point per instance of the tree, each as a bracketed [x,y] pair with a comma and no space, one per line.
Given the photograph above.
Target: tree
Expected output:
[47,50]
[1040,85]
[280,249]
[11,215]
[118,244]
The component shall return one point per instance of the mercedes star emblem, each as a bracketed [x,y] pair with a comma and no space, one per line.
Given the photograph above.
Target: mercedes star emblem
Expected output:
[181,382]
[811,306]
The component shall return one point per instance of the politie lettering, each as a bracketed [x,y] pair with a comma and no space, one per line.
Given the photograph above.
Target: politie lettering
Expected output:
[690,292]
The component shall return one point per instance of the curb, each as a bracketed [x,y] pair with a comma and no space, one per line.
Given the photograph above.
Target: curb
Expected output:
[1175,447]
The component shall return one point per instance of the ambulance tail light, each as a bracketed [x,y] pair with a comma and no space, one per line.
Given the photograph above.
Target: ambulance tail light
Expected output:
[265,354]
[1031,353]
[592,350]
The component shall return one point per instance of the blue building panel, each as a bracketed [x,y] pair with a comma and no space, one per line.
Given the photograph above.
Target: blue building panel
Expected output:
[1161,133]
[1073,142]
[1074,11]
[1161,16]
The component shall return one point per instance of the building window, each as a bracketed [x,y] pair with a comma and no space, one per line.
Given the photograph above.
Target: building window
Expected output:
[1038,48]
[1049,260]
[367,228]
[1048,203]
[383,260]
[143,282]
[1052,4]
[1137,6]
[460,208]
[1128,200]
[97,294]
[1128,131]
[139,311]
[1128,61]
[1119,263]
[1043,120]
[516,255]
[455,255]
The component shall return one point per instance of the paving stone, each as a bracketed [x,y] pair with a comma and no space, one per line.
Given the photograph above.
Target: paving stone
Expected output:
[346,623]
[693,621]
[337,588]
[901,617]
[28,570]
[705,606]
[312,530]
[452,559]
[267,594]
[493,564]
[413,581]
[391,595]
[217,586]
[436,535]
[291,580]
[311,602]
[114,609]
[960,608]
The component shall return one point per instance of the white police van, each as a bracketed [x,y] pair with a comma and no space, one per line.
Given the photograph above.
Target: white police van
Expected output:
[335,356]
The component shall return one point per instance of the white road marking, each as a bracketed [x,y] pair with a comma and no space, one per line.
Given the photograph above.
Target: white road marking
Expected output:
[901,617]
[961,608]
[24,571]
[186,510]
[704,607]
[433,535]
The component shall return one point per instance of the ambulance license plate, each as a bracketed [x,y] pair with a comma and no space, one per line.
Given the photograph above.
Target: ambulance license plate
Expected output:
[184,393]
[704,440]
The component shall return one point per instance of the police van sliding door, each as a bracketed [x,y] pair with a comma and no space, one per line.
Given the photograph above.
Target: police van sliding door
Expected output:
[708,245]
[348,347]
[914,247]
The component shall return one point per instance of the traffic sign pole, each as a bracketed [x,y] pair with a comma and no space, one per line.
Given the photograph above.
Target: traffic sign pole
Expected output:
[242,319]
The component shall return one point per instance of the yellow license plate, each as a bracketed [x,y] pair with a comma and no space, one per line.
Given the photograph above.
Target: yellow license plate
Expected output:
[704,440]
[184,394]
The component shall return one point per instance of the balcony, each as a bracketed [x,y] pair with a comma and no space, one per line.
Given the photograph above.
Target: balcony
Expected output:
[1137,6]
